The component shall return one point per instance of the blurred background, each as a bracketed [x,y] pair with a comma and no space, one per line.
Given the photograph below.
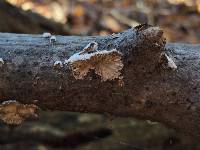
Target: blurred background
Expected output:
[180,20]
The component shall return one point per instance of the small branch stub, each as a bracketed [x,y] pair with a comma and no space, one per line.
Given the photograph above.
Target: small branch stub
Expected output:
[153,33]
[14,113]
[107,64]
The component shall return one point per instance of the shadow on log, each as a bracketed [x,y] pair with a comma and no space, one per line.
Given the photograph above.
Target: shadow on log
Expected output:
[68,141]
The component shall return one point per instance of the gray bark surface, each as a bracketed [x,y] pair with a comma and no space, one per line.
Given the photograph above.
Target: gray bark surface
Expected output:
[149,92]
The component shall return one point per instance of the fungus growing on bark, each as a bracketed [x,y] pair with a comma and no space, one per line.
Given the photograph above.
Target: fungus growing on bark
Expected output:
[107,64]
[46,35]
[58,64]
[14,113]
[1,62]
[52,39]
[167,62]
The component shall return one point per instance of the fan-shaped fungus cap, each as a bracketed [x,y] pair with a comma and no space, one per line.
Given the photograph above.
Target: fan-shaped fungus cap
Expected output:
[14,113]
[107,64]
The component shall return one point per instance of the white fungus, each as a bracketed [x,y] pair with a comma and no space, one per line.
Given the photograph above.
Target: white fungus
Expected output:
[58,64]
[170,63]
[78,56]
[46,35]
[9,101]
[52,39]
[167,62]
[1,62]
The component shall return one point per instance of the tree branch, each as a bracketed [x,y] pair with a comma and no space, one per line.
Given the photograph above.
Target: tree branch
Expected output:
[161,82]
[19,21]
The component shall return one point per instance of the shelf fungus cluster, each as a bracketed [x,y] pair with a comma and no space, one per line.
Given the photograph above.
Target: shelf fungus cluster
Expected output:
[106,63]
[14,113]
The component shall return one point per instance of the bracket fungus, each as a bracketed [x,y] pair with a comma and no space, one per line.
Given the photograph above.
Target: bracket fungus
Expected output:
[1,62]
[14,113]
[167,62]
[107,64]
[46,35]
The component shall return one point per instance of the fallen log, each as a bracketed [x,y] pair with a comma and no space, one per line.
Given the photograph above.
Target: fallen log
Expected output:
[129,74]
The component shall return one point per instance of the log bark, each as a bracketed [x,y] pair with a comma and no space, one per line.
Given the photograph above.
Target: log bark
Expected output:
[151,91]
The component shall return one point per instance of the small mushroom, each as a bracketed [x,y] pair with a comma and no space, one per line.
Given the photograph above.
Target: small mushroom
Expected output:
[46,35]
[52,39]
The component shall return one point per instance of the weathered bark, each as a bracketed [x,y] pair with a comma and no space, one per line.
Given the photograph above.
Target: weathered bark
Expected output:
[16,20]
[150,90]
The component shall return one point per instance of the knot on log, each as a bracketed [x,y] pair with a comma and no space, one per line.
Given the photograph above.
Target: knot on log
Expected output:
[146,55]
